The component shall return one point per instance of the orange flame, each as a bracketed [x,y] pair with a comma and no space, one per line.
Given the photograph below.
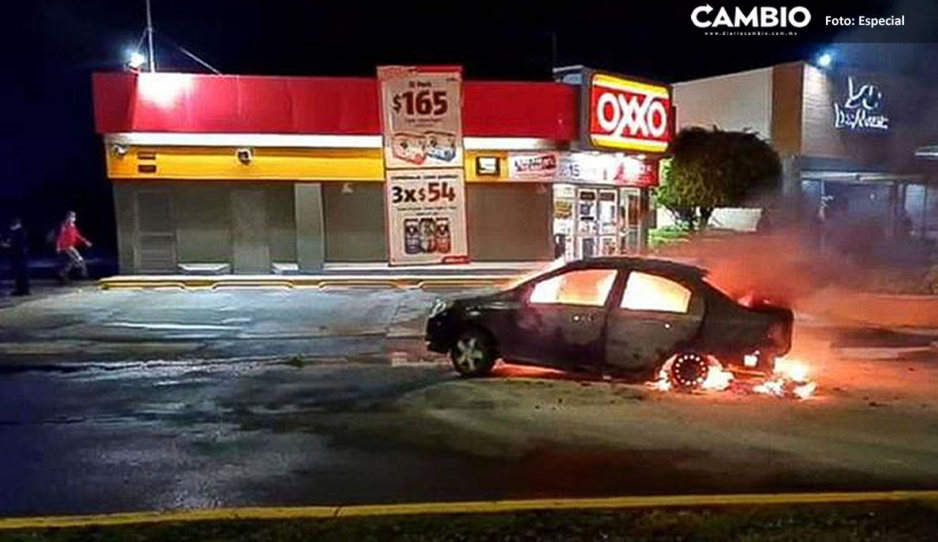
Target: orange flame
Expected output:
[790,379]
[718,378]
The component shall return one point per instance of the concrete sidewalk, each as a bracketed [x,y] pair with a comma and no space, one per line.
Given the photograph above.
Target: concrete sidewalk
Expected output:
[474,275]
[427,281]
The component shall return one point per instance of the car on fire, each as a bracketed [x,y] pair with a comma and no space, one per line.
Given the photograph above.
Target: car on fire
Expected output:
[622,316]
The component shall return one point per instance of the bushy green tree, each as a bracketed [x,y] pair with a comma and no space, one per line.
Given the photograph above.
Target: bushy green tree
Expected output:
[715,168]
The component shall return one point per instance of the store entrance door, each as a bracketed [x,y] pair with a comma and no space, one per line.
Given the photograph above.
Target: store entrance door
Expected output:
[586,221]
[631,234]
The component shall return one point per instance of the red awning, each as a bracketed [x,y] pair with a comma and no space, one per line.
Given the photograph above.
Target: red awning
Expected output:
[195,103]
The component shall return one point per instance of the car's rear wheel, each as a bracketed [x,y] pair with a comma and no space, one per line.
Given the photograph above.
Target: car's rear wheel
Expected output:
[473,354]
[689,371]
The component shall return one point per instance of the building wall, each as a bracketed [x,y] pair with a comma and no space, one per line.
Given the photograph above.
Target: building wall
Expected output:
[905,102]
[355,222]
[820,138]
[787,111]
[203,222]
[509,221]
[738,101]
[201,226]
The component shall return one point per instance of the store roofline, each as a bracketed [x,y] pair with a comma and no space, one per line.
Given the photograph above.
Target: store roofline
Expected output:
[733,74]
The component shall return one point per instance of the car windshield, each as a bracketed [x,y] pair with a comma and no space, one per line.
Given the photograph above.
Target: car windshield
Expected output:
[722,288]
[534,273]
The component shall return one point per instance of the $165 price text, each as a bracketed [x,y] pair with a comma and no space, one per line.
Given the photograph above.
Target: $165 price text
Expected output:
[421,102]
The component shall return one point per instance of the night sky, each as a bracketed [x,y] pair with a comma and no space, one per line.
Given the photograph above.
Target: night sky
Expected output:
[52,160]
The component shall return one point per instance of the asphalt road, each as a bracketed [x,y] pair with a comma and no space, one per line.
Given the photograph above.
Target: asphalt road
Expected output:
[357,413]
[371,430]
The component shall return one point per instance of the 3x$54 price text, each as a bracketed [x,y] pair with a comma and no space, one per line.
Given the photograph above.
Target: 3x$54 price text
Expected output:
[432,193]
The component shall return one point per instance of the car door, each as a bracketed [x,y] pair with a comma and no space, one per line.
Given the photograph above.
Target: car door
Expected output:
[563,319]
[651,317]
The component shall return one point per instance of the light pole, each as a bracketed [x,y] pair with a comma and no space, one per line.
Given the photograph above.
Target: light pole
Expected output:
[152,55]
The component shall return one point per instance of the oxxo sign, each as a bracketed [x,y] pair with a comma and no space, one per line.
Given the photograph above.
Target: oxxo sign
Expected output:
[627,115]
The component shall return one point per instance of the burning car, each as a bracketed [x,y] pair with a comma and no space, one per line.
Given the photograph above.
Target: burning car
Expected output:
[629,317]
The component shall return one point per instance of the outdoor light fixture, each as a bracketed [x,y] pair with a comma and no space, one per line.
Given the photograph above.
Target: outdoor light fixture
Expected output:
[136,60]
[245,155]
[119,150]
[824,60]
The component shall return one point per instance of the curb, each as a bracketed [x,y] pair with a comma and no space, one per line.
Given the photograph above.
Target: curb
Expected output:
[427,282]
[883,353]
[469,507]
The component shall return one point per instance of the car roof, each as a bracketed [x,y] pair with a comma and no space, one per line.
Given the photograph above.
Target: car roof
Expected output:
[650,265]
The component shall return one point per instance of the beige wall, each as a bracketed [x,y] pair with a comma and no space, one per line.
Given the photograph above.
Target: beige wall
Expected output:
[737,101]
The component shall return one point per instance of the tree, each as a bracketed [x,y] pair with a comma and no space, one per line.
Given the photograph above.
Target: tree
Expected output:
[715,168]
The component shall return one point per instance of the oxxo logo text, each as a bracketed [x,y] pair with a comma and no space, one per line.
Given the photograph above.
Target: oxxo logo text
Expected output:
[756,17]
[627,114]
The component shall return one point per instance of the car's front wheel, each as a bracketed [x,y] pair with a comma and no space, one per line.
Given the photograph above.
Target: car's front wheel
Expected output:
[473,354]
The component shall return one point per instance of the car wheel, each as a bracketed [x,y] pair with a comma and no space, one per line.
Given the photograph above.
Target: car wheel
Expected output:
[689,371]
[473,354]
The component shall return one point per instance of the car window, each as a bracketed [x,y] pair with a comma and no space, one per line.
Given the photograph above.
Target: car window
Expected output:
[584,287]
[646,292]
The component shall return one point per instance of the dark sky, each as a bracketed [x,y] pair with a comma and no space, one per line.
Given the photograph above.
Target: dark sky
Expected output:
[53,161]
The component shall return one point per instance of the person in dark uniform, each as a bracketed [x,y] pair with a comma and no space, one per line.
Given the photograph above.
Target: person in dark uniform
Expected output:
[17,245]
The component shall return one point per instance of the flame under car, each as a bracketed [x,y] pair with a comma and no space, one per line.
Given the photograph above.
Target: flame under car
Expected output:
[619,316]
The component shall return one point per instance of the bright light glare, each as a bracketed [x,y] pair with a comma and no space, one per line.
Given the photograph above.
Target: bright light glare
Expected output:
[793,369]
[586,287]
[136,59]
[163,89]
[825,60]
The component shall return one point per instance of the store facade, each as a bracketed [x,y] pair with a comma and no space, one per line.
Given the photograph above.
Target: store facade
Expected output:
[848,140]
[248,174]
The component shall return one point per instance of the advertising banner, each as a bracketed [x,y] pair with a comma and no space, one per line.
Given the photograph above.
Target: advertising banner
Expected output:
[427,216]
[421,116]
[421,122]
[583,167]
[533,166]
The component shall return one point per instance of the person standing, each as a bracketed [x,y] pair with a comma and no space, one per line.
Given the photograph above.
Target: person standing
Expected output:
[19,257]
[67,245]
[17,245]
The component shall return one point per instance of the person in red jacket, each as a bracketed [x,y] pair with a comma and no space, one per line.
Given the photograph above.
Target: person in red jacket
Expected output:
[67,245]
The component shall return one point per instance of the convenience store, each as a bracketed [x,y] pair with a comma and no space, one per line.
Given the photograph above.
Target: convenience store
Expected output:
[259,174]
